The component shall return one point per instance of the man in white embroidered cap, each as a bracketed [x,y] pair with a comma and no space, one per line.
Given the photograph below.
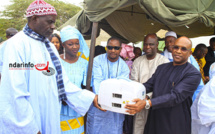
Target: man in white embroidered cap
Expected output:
[33,81]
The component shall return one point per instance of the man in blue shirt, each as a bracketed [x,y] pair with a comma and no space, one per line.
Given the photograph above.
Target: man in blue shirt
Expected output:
[107,66]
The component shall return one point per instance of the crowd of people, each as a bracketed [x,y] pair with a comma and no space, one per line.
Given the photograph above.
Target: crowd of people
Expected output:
[51,98]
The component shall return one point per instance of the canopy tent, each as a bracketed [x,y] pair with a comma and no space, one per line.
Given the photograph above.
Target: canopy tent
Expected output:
[131,20]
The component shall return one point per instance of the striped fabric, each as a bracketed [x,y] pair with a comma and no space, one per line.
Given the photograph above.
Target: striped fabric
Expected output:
[55,60]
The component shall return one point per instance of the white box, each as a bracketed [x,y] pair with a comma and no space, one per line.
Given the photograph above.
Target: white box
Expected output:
[114,94]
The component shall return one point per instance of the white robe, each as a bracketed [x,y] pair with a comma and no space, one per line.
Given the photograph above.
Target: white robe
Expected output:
[212,71]
[142,70]
[2,46]
[203,110]
[29,99]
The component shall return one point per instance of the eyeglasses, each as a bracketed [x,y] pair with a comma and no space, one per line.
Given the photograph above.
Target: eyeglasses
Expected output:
[183,49]
[115,47]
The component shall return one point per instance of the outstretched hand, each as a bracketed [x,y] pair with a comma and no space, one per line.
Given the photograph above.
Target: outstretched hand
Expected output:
[137,107]
[95,101]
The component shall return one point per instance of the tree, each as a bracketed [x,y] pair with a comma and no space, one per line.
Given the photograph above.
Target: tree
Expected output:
[14,14]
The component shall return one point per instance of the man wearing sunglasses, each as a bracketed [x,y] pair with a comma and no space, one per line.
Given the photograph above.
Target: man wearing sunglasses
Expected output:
[142,69]
[173,85]
[170,38]
[107,66]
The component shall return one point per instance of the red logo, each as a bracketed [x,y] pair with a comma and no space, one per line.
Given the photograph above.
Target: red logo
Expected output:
[46,67]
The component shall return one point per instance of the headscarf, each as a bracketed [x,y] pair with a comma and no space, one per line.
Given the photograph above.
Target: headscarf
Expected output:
[127,52]
[70,32]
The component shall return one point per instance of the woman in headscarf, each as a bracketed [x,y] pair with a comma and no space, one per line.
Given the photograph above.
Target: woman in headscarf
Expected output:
[127,54]
[75,66]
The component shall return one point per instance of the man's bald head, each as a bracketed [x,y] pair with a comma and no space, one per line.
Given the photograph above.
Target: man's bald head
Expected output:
[11,32]
[150,46]
[181,50]
[185,40]
[151,35]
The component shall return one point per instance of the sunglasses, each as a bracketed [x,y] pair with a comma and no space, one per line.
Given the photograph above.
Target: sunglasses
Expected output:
[110,47]
[183,49]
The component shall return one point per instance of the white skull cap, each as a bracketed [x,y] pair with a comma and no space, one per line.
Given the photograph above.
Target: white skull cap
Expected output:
[171,33]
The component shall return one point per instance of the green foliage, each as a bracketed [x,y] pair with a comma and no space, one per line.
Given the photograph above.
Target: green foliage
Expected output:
[3,22]
[65,11]
[7,23]
[14,14]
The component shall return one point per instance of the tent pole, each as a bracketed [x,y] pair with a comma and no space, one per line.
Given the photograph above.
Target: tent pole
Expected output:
[92,51]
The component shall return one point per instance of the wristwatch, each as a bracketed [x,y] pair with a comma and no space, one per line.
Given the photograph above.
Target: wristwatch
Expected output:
[147,105]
